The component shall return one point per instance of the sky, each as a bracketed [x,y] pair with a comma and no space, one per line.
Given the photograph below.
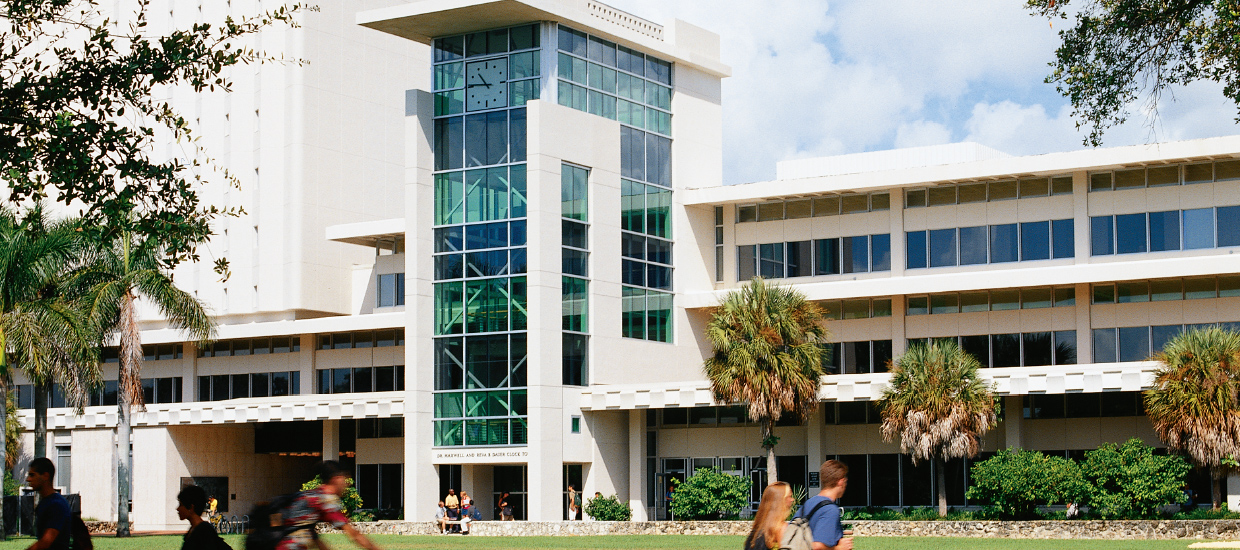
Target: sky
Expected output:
[814,78]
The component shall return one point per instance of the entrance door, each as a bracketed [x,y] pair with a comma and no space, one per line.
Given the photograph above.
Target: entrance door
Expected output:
[512,480]
[449,478]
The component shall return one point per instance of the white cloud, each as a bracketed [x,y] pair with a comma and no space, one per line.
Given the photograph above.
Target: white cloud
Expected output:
[813,78]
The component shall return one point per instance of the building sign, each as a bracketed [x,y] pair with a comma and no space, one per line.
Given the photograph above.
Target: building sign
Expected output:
[813,479]
[481,456]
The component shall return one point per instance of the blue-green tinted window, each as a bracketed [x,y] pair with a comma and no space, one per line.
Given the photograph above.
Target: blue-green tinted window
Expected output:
[915,249]
[1228,225]
[1102,235]
[1130,233]
[1164,230]
[613,81]
[1063,239]
[973,245]
[1199,228]
[573,199]
[1003,243]
[942,247]
[1035,241]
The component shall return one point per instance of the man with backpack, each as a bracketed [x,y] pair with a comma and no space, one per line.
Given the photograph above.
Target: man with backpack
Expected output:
[307,508]
[823,510]
[52,515]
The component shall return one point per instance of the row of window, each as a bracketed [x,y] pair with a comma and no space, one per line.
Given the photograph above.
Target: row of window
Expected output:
[522,81]
[575,289]
[603,101]
[646,314]
[480,362]
[255,384]
[362,339]
[1157,176]
[645,157]
[252,346]
[1084,405]
[486,263]
[1139,343]
[480,236]
[990,244]
[735,415]
[477,306]
[645,209]
[1029,349]
[490,42]
[830,205]
[857,357]
[856,309]
[150,352]
[1162,290]
[609,54]
[390,290]
[861,254]
[154,391]
[647,261]
[361,379]
[993,300]
[1168,230]
[968,193]
[481,195]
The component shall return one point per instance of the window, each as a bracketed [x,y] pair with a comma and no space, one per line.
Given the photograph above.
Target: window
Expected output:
[994,244]
[719,244]
[259,384]
[646,314]
[857,309]
[575,424]
[614,85]
[390,290]
[1029,349]
[64,467]
[362,339]
[1194,229]
[857,357]
[256,346]
[995,300]
[859,254]
[830,205]
[965,193]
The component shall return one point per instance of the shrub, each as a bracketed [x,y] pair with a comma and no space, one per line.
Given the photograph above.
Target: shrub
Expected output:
[610,508]
[350,500]
[1130,481]
[709,494]
[1013,483]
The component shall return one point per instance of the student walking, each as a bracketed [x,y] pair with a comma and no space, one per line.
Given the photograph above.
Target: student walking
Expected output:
[825,520]
[51,516]
[321,504]
[772,515]
[191,503]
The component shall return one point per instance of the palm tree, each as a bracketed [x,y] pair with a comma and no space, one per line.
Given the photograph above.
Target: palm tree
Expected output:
[1193,405]
[40,334]
[767,353]
[117,275]
[938,406]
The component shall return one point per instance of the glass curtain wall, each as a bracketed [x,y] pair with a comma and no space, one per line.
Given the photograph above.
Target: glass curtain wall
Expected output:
[606,79]
[482,81]
[575,260]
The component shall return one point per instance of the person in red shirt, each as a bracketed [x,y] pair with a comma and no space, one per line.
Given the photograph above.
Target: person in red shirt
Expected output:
[321,504]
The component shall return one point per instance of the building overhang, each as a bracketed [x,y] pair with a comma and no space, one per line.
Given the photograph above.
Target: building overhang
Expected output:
[1088,378]
[340,323]
[993,169]
[372,233]
[424,20]
[233,411]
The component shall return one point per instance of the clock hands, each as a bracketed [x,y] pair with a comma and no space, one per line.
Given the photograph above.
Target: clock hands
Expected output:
[484,82]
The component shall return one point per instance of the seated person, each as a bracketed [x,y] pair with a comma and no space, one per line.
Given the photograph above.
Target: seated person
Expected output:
[441,516]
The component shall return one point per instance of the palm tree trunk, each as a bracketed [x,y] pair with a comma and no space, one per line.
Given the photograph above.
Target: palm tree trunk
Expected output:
[124,465]
[768,430]
[940,478]
[4,425]
[41,394]
[1216,482]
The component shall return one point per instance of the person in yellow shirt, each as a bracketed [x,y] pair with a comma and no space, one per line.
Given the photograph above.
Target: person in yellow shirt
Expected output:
[453,505]
[212,504]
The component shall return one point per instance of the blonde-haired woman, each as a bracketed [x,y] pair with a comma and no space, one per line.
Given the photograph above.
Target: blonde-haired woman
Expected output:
[768,523]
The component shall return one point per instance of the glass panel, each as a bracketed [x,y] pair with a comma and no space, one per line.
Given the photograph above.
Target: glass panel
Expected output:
[827,206]
[1162,175]
[1003,243]
[1005,350]
[978,346]
[449,308]
[973,192]
[1065,296]
[1063,239]
[1198,173]
[915,249]
[1038,350]
[746,260]
[914,198]
[1065,347]
[1104,345]
[771,260]
[1160,335]
[1035,241]
[918,305]
[1038,187]
[944,303]
[941,195]
[770,211]
[1001,190]
[1164,230]
[973,245]
[1100,182]
[633,312]
[799,256]
[1130,232]
[1134,343]
[880,201]
[827,257]
[1169,289]
[1104,294]
[880,252]
[856,309]
[1228,225]
[1227,170]
[1003,300]
[855,254]
[1035,298]
[850,204]
[798,209]
[1228,286]
[1102,235]
[658,212]
[1132,292]
[1061,185]
[1198,228]
[882,307]
[1127,179]
[486,195]
[1198,288]
[943,248]
[971,302]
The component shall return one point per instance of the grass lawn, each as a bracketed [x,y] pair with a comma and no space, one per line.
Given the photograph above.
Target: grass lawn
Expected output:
[639,542]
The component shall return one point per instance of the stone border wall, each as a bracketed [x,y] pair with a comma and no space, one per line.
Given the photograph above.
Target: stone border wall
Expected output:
[1077,529]
[96,527]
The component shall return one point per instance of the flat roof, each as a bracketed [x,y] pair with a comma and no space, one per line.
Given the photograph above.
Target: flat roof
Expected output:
[367,233]
[423,20]
[1050,164]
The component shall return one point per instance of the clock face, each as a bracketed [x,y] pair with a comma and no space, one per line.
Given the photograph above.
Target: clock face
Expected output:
[486,84]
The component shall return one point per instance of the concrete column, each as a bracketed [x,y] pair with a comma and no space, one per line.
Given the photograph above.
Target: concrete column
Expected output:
[1013,421]
[331,440]
[637,464]
[897,233]
[899,343]
[421,475]
[189,369]
[1080,217]
[1084,328]
[306,363]
[813,441]
[1233,492]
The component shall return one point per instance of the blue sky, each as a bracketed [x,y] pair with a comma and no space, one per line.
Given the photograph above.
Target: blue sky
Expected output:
[814,78]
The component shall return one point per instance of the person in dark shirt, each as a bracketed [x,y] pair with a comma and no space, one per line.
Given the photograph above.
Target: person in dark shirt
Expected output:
[825,523]
[191,501]
[52,514]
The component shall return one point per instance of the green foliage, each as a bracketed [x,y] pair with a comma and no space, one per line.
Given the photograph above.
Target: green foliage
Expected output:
[1013,483]
[83,119]
[10,485]
[1130,481]
[351,501]
[1116,53]
[1206,513]
[610,508]
[709,494]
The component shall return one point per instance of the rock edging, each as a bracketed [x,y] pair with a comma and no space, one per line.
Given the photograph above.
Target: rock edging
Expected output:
[1075,529]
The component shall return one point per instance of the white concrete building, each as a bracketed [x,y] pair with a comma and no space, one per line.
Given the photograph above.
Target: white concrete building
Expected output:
[521,306]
